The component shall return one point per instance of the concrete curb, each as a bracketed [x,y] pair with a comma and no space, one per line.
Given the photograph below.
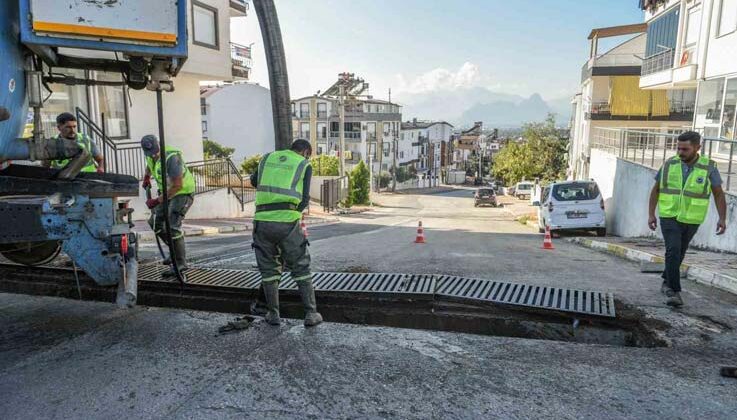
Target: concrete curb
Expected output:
[196,230]
[694,273]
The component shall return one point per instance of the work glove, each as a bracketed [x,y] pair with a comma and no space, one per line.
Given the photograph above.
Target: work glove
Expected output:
[146,181]
[100,170]
[152,202]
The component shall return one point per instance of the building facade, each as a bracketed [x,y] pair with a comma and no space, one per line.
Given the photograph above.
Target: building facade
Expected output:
[421,144]
[611,97]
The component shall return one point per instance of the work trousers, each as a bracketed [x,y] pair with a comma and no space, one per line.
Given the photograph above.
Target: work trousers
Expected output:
[275,241]
[677,236]
[178,207]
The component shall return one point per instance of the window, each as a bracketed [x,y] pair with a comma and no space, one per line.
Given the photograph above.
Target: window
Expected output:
[294,110]
[709,108]
[371,130]
[575,191]
[662,33]
[322,110]
[304,110]
[205,25]
[727,17]
[730,102]
[387,128]
[204,126]
[113,102]
[304,130]
[63,98]
[401,154]
[692,26]
[322,130]
[203,106]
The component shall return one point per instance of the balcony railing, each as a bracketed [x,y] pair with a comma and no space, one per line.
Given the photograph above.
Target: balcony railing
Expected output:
[658,62]
[678,111]
[651,147]
[609,60]
[346,134]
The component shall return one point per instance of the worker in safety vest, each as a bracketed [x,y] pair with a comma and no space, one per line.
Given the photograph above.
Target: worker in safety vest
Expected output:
[66,123]
[681,194]
[180,186]
[282,184]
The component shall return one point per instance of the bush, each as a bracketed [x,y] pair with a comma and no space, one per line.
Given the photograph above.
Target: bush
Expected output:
[384,179]
[358,184]
[324,165]
[250,165]
[215,150]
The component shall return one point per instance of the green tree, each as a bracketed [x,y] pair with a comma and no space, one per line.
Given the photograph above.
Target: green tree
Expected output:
[250,165]
[358,184]
[215,150]
[542,155]
[324,165]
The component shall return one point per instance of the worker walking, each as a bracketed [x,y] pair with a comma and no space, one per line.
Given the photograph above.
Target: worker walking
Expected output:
[282,184]
[180,187]
[66,123]
[681,194]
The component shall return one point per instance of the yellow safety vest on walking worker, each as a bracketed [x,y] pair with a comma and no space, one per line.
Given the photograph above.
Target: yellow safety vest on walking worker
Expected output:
[279,189]
[154,167]
[688,202]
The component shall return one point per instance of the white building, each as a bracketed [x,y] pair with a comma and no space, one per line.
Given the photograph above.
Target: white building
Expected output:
[421,144]
[693,44]
[610,96]
[131,114]
[238,116]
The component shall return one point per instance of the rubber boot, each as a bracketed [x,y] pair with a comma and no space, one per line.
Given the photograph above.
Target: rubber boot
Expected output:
[307,292]
[259,307]
[271,290]
[181,254]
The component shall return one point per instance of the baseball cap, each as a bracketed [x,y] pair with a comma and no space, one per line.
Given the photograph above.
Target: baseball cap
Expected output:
[150,145]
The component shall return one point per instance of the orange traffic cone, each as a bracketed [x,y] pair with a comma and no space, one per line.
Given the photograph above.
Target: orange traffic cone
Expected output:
[303,225]
[548,241]
[420,238]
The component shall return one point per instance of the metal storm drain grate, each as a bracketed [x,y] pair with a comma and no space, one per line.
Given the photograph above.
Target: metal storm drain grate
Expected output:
[543,297]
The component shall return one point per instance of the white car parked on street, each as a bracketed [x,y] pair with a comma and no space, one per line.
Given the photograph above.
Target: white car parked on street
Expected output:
[572,205]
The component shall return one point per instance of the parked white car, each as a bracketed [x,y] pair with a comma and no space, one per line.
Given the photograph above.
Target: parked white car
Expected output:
[523,190]
[572,205]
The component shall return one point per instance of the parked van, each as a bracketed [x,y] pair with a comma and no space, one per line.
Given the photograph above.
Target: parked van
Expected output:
[523,190]
[572,205]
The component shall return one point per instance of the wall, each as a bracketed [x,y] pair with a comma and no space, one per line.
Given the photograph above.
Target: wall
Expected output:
[216,204]
[209,63]
[721,51]
[240,116]
[626,189]
[182,119]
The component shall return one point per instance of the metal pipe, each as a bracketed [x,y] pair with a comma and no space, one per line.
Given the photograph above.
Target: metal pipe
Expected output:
[278,78]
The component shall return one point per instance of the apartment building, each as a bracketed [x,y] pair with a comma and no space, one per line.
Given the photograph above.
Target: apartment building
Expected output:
[421,144]
[611,97]
[693,44]
[370,126]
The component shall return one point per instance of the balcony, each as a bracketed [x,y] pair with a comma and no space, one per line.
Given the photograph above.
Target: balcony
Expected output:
[238,8]
[352,135]
[240,58]
[678,111]
[612,65]
[660,71]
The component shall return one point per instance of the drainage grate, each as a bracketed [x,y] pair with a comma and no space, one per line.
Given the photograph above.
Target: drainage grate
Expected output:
[543,297]
[559,299]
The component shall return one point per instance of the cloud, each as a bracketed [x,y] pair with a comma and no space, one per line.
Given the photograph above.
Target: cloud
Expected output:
[468,75]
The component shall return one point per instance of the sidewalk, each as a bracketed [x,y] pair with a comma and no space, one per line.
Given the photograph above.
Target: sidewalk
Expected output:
[199,227]
[711,268]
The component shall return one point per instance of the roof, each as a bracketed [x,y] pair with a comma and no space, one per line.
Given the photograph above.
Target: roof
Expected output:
[415,125]
[611,31]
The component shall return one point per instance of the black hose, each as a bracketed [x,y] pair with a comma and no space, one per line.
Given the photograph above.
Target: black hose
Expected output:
[164,174]
[278,79]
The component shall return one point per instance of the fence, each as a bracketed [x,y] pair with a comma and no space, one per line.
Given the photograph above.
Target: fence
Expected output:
[332,192]
[652,147]
[214,174]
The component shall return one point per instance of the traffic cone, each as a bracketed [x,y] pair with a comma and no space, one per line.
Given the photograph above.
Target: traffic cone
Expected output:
[420,238]
[304,226]
[548,241]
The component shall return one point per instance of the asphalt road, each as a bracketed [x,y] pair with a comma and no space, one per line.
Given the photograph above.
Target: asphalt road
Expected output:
[67,359]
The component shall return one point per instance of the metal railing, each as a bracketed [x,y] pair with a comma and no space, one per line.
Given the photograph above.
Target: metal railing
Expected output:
[676,108]
[332,192]
[658,62]
[121,157]
[215,174]
[651,147]
[346,134]
[609,60]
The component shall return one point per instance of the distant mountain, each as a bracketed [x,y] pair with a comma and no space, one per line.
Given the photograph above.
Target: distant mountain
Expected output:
[462,107]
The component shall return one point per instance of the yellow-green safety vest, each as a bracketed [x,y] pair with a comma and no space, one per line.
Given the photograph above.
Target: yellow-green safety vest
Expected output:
[85,143]
[688,202]
[154,167]
[279,190]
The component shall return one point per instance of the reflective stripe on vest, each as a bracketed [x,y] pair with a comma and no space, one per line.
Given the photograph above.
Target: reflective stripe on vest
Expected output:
[154,167]
[86,144]
[280,178]
[688,202]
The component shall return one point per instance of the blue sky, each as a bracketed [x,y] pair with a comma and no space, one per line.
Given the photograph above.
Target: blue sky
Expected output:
[511,46]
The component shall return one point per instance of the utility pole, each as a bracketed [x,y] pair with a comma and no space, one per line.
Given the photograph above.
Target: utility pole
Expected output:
[394,157]
[341,129]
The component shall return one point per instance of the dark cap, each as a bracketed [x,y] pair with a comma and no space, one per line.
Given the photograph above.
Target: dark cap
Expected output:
[150,144]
